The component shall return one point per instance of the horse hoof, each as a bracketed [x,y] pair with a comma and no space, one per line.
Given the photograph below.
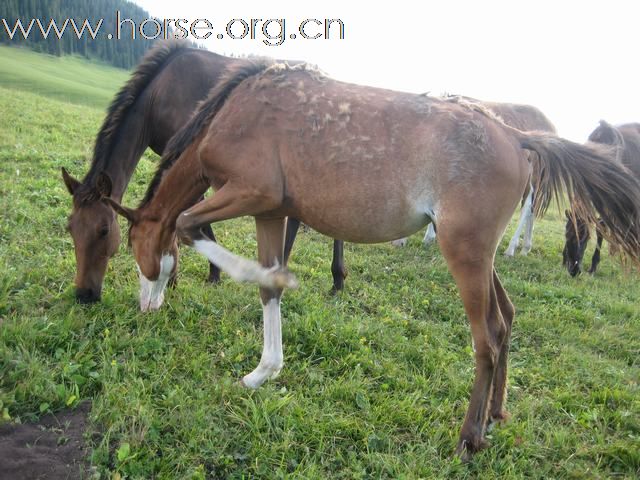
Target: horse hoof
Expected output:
[498,418]
[463,453]
[283,278]
[213,279]
[467,449]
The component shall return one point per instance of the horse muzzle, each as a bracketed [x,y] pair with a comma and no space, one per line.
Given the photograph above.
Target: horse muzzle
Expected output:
[87,295]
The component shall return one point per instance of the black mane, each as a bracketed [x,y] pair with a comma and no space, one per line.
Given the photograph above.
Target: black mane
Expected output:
[152,63]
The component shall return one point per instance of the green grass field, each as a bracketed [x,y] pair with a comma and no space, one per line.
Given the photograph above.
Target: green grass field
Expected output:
[376,380]
[70,79]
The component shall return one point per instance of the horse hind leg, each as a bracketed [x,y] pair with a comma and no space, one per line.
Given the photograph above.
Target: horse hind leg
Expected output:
[293,225]
[528,231]
[400,242]
[499,389]
[429,235]
[338,270]
[595,260]
[524,214]
[428,239]
[471,264]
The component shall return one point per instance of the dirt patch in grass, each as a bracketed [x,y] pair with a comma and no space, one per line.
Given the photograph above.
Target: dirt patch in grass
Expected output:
[52,449]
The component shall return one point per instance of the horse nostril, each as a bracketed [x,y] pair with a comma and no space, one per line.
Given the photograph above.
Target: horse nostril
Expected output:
[87,295]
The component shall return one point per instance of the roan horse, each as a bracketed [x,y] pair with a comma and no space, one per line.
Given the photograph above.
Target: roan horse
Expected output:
[152,106]
[365,165]
[525,118]
[626,141]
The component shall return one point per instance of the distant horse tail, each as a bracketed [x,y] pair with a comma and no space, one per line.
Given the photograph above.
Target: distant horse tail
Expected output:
[592,180]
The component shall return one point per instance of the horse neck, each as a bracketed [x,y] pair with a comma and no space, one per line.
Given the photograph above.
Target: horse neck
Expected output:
[128,145]
[180,188]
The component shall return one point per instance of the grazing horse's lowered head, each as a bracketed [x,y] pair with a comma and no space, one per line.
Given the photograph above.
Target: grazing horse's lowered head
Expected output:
[156,270]
[147,111]
[95,233]
[576,235]
[625,143]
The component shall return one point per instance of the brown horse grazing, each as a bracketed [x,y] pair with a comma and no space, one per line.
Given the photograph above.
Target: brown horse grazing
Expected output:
[156,101]
[525,118]
[153,105]
[366,165]
[626,141]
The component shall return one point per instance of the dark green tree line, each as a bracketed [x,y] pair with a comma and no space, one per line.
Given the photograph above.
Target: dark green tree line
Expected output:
[124,52]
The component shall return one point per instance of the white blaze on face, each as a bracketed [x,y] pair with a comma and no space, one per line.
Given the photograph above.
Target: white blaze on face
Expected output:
[152,292]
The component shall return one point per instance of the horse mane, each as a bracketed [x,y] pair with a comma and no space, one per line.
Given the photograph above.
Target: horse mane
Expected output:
[515,115]
[152,63]
[472,104]
[203,115]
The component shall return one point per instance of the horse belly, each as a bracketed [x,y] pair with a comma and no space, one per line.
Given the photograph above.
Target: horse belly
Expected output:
[361,212]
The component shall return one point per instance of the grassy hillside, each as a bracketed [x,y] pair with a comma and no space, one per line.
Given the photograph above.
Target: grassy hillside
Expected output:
[376,380]
[67,78]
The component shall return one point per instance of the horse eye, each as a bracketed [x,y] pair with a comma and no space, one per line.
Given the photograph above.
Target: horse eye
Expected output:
[103,231]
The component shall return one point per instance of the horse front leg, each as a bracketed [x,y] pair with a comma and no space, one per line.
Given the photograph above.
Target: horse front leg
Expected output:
[214,271]
[230,202]
[338,270]
[595,260]
[270,234]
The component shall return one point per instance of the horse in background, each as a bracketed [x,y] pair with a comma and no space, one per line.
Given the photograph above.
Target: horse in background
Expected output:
[366,165]
[625,139]
[525,118]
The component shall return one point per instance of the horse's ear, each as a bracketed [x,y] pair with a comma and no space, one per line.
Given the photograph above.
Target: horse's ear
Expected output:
[604,124]
[567,214]
[71,183]
[103,184]
[128,213]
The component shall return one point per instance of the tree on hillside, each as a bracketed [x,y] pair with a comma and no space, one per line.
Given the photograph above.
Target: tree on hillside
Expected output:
[124,52]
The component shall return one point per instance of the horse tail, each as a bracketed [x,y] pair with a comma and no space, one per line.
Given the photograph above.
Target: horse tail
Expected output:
[593,182]
[204,114]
